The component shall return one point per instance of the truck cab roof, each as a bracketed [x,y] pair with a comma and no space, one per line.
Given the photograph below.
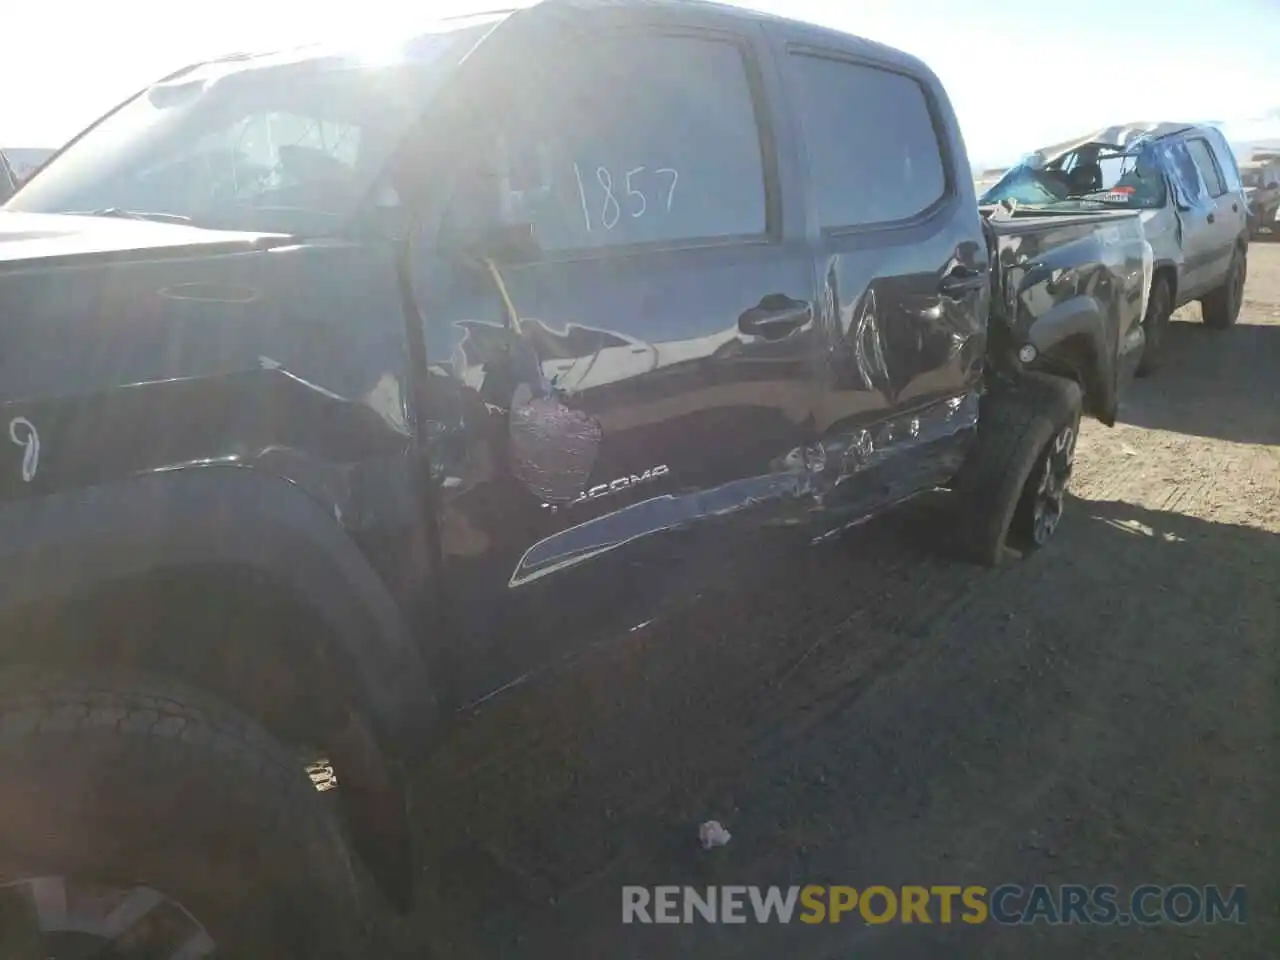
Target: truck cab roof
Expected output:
[406,43]
[1119,136]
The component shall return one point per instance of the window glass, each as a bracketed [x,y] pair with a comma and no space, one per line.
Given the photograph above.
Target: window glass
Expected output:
[260,137]
[1087,178]
[264,144]
[873,152]
[1186,173]
[649,138]
[1200,153]
[1226,160]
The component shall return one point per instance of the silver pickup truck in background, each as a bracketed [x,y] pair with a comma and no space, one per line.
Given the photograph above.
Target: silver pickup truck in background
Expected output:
[1183,181]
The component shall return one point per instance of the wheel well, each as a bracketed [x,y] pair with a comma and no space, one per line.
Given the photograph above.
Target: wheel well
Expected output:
[1074,357]
[222,630]
[1169,274]
[239,636]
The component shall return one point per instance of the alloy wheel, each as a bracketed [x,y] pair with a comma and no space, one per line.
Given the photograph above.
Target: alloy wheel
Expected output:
[1055,474]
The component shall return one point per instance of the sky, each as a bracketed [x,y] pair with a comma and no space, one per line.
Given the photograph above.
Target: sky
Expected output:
[1020,73]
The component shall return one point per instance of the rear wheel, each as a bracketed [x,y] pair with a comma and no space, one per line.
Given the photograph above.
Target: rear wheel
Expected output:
[1012,486]
[1155,325]
[1221,307]
[141,819]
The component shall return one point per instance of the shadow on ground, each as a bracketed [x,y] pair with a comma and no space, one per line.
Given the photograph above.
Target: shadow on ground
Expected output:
[1213,383]
[1104,712]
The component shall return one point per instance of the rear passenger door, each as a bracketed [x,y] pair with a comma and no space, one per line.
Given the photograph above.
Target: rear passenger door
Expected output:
[903,267]
[1222,213]
[1234,199]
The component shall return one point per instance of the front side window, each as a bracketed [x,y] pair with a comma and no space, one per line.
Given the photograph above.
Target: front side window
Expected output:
[1200,153]
[646,139]
[1191,187]
[874,155]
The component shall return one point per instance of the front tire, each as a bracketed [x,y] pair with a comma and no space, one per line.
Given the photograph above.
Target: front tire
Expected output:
[139,818]
[1012,486]
[1221,307]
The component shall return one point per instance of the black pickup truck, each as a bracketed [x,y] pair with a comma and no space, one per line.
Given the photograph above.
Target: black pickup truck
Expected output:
[342,389]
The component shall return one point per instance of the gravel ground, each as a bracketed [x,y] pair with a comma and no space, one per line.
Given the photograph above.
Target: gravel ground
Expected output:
[1106,712]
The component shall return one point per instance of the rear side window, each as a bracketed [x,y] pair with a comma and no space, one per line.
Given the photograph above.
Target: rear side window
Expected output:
[874,155]
[648,138]
[1226,160]
[1208,167]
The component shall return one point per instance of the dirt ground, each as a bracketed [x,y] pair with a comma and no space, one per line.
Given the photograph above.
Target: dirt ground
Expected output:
[1105,712]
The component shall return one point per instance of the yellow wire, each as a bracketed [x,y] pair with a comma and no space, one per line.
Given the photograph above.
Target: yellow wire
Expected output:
[512,317]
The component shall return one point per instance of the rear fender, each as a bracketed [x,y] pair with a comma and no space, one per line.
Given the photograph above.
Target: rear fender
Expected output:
[1072,337]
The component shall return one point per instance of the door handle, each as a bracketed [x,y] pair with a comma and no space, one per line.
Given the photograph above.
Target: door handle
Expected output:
[775,317]
[1211,218]
[961,280]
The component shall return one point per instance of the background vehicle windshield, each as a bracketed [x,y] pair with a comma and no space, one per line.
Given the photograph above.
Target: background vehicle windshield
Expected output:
[284,148]
[1089,177]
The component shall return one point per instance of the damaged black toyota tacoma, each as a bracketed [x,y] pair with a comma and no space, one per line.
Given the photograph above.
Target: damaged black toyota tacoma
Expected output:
[341,389]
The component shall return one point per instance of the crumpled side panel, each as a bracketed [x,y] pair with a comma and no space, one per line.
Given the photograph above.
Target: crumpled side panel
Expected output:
[553,447]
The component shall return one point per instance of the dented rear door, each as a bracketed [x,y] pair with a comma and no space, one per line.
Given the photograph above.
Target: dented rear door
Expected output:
[903,268]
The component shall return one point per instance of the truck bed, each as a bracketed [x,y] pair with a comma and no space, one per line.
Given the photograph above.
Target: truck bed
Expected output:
[1056,274]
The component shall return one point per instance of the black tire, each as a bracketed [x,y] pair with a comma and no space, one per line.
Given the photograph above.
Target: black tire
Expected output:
[1155,325]
[998,483]
[1221,307]
[146,816]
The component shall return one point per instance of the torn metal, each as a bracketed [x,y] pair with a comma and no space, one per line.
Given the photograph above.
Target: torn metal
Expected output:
[1120,137]
[553,447]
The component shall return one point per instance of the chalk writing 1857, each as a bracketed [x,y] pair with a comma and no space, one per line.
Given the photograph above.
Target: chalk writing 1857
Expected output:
[610,210]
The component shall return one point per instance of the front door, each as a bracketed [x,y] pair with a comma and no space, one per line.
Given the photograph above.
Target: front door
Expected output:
[903,271]
[632,400]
